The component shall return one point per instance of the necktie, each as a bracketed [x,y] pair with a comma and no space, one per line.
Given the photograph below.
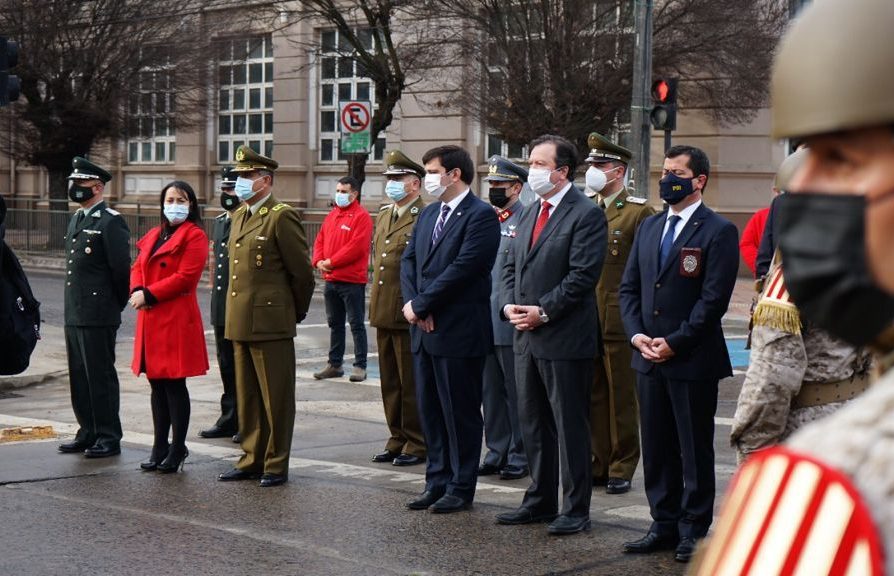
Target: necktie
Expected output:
[541,221]
[79,218]
[439,225]
[395,216]
[668,241]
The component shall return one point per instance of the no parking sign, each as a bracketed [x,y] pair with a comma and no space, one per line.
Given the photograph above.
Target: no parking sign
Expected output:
[355,119]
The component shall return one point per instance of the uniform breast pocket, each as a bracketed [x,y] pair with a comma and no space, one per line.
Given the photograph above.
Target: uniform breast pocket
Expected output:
[269,313]
[257,253]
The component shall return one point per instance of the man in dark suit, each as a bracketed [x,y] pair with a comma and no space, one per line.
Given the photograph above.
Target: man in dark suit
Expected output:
[676,287]
[549,295]
[228,422]
[96,290]
[445,280]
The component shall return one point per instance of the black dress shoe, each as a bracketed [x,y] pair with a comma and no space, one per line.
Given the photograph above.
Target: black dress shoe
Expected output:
[237,438]
[449,503]
[523,516]
[236,474]
[617,486]
[427,498]
[407,460]
[99,451]
[216,432]
[651,542]
[685,550]
[74,447]
[155,457]
[270,480]
[513,473]
[488,469]
[568,525]
[386,456]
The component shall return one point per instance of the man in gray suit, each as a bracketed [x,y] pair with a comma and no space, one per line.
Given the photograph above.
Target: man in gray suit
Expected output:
[549,296]
[502,434]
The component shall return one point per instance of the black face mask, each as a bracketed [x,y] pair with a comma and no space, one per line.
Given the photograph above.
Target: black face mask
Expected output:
[497,196]
[822,239]
[229,202]
[79,194]
[673,189]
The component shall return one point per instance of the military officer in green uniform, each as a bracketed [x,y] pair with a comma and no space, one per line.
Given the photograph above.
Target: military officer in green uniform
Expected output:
[228,422]
[614,424]
[96,290]
[394,226]
[271,284]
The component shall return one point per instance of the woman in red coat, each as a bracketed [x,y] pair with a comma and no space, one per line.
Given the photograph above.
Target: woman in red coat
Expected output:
[169,343]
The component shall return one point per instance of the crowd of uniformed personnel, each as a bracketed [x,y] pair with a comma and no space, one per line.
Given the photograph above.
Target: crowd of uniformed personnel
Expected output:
[583,326]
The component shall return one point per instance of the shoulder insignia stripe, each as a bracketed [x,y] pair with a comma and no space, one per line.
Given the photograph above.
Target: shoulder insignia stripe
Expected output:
[636,200]
[113,212]
[280,206]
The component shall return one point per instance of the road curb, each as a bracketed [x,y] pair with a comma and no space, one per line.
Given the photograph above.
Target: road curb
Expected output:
[8,383]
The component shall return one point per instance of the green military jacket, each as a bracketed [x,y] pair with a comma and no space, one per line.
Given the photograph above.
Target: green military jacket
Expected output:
[271,280]
[624,216]
[97,275]
[389,241]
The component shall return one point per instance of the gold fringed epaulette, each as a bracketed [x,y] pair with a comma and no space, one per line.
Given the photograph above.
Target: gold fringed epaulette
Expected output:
[775,308]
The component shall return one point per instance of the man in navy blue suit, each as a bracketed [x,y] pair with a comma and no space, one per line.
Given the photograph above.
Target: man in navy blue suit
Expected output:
[445,281]
[676,287]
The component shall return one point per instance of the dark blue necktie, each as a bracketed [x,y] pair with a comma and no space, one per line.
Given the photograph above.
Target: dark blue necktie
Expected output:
[668,241]
[439,225]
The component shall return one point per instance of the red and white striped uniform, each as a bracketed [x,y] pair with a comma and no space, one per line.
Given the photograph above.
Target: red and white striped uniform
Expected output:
[789,514]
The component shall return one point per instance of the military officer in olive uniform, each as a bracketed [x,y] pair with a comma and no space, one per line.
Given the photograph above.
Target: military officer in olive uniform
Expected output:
[394,226]
[228,422]
[96,290]
[614,424]
[499,397]
[271,284]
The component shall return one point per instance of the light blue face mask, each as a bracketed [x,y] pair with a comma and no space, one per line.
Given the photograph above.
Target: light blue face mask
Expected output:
[395,190]
[176,213]
[342,199]
[244,188]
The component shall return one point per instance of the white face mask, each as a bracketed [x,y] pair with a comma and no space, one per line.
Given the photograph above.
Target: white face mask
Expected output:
[433,185]
[595,179]
[538,180]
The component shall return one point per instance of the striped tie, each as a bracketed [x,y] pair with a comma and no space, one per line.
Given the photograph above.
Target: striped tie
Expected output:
[439,225]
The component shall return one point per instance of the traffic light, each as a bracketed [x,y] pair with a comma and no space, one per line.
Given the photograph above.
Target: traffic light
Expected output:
[664,104]
[9,84]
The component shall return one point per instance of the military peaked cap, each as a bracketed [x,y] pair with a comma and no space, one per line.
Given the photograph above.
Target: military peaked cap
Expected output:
[503,170]
[228,177]
[83,169]
[603,150]
[247,160]
[397,163]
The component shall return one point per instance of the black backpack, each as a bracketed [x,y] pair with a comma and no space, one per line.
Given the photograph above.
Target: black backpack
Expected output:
[19,314]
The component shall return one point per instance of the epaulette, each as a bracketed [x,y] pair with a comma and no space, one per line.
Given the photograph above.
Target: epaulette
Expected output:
[113,212]
[221,216]
[280,206]
[775,308]
[385,207]
[636,200]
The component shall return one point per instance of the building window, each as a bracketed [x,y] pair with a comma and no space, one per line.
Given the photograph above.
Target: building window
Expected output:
[342,78]
[150,133]
[245,97]
[498,146]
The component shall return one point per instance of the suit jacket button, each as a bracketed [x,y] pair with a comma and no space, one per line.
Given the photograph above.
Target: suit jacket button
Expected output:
[656,313]
[658,285]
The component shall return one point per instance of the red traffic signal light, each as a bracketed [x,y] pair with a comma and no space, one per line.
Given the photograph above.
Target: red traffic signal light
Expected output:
[664,104]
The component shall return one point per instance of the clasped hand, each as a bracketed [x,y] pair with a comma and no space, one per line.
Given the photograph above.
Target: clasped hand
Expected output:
[524,318]
[655,350]
[427,324]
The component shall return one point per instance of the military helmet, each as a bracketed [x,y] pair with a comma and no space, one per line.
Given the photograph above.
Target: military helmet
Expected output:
[789,168]
[833,69]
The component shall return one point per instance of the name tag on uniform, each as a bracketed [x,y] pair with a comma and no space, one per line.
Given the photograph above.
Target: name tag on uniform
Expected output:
[88,231]
[260,237]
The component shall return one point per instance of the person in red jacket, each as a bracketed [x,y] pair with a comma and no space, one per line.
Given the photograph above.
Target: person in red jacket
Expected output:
[169,343]
[341,254]
[752,234]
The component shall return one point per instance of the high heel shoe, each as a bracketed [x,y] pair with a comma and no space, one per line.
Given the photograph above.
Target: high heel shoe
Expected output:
[155,457]
[174,461]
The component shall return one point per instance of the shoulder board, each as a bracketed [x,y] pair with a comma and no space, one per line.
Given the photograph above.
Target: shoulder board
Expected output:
[113,212]
[635,200]
[221,216]
[775,307]
[385,207]
[279,207]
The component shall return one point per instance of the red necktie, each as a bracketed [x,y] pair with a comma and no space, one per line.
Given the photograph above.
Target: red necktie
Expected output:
[541,221]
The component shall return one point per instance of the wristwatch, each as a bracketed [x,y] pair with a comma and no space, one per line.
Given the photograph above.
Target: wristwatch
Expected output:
[544,317]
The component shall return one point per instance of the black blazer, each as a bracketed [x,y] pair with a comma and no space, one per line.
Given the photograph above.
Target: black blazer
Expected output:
[686,299]
[559,273]
[220,236]
[451,279]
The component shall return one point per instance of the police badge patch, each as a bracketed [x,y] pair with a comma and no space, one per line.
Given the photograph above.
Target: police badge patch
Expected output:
[690,262]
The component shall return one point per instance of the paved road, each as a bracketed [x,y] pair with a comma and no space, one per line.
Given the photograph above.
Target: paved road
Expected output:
[339,514]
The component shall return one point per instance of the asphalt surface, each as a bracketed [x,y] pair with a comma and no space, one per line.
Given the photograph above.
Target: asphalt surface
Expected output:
[339,513]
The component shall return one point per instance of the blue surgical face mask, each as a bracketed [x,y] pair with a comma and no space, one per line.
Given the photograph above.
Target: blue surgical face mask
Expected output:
[395,190]
[673,189]
[342,199]
[176,213]
[244,188]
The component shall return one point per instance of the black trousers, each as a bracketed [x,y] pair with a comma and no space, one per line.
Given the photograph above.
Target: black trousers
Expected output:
[170,413]
[677,419]
[228,419]
[94,383]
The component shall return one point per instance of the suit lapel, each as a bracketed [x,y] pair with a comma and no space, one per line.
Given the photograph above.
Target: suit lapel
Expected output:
[452,222]
[88,218]
[254,222]
[692,226]
[406,219]
[559,212]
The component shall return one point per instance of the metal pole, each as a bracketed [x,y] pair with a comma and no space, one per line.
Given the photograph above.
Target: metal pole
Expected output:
[640,129]
[667,140]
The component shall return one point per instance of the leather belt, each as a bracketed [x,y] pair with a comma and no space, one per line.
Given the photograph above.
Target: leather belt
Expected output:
[821,393]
